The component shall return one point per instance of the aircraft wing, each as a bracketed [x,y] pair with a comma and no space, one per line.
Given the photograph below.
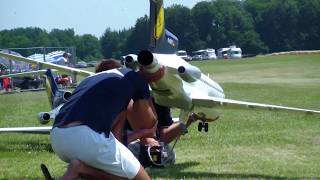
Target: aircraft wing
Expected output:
[23,74]
[31,130]
[46,64]
[216,103]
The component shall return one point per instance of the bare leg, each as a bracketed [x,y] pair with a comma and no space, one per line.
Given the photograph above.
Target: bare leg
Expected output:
[79,169]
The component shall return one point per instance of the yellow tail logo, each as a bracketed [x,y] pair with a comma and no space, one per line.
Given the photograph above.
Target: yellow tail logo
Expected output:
[160,23]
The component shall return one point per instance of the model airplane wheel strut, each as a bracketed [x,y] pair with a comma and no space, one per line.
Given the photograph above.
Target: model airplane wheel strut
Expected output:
[204,125]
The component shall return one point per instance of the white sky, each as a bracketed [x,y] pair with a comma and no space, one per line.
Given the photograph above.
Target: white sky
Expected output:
[84,16]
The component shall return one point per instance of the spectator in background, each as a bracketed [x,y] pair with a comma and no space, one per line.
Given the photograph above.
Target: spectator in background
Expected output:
[3,69]
[6,83]
[0,82]
[66,58]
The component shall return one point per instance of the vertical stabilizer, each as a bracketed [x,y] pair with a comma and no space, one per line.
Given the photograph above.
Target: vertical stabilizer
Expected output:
[51,87]
[161,40]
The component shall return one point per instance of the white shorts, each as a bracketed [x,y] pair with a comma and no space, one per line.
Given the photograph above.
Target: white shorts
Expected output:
[96,150]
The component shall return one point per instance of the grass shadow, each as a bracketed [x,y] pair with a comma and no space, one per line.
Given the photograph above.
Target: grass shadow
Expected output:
[177,172]
[26,146]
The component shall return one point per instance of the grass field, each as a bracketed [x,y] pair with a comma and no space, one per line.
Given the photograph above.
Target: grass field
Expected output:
[241,145]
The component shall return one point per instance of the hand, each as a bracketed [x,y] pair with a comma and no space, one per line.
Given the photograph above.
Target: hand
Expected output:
[150,142]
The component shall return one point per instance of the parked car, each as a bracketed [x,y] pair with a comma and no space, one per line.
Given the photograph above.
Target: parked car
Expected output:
[92,64]
[198,55]
[183,54]
[81,64]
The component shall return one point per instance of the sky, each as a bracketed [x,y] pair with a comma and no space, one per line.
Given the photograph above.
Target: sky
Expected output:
[84,16]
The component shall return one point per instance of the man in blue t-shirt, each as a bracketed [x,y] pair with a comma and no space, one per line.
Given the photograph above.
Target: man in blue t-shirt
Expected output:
[82,128]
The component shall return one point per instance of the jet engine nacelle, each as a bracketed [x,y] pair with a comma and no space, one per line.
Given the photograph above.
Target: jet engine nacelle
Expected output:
[131,61]
[189,73]
[61,98]
[167,86]
[151,69]
[66,95]
[44,117]
[150,64]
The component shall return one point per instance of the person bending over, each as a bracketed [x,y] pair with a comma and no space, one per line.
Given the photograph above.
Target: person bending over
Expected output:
[82,129]
[166,129]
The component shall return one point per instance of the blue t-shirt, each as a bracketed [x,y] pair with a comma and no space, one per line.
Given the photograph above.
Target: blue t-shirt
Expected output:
[98,99]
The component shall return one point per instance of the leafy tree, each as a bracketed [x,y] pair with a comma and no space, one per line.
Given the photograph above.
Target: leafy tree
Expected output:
[203,18]
[257,26]
[278,28]
[23,38]
[225,22]
[179,21]
[62,37]
[110,43]
[88,47]
[138,39]
[308,26]
[287,24]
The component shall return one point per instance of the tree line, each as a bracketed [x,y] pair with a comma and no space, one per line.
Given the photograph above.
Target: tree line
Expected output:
[257,26]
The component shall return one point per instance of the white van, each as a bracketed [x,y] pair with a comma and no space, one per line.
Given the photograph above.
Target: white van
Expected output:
[204,54]
[209,54]
[183,54]
[231,52]
[235,53]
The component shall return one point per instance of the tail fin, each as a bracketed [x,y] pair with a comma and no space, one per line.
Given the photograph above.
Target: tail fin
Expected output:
[51,87]
[56,96]
[161,40]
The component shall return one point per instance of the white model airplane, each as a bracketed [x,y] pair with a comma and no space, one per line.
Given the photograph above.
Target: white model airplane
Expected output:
[175,82]
[29,73]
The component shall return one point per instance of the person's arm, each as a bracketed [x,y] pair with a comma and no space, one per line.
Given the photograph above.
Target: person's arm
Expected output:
[142,134]
[168,134]
[141,115]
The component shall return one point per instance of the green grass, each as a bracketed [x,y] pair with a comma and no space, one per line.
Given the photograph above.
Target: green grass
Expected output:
[241,145]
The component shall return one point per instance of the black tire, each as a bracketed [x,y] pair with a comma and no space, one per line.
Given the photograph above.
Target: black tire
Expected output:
[200,126]
[206,127]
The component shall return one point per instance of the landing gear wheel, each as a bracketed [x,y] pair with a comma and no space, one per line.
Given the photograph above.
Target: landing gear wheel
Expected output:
[206,127]
[200,126]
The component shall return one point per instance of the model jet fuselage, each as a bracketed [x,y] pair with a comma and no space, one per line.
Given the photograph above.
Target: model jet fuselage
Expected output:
[180,81]
[174,82]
